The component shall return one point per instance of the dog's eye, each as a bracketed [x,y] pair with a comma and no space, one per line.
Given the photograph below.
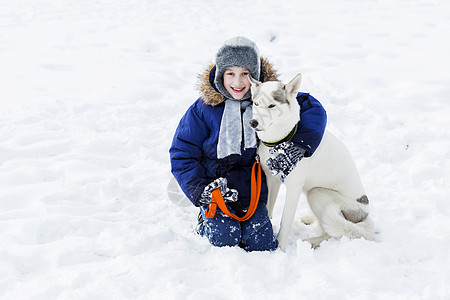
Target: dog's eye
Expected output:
[271,106]
[255,103]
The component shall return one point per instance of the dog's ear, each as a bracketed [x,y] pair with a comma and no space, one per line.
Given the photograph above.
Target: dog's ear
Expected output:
[253,82]
[294,85]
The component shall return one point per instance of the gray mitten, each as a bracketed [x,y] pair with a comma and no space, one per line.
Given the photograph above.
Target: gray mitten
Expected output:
[287,157]
[229,195]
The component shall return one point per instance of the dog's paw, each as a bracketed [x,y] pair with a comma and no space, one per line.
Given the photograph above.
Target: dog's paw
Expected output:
[315,241]
[308,219]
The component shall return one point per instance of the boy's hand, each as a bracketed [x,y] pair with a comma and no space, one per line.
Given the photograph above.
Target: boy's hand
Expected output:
[288,155]
[229,195]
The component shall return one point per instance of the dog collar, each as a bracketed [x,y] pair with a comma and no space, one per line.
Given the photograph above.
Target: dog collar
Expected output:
[285,139]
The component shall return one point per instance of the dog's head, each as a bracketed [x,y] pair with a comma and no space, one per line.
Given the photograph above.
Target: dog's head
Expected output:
[275,108]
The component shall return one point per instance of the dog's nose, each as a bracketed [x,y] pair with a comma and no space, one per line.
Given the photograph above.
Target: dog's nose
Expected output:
[253,123]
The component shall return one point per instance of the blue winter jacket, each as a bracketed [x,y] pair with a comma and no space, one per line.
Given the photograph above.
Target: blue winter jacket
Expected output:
[193,153]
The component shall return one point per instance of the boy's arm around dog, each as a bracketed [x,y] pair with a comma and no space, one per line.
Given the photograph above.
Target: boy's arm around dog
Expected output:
[313,120]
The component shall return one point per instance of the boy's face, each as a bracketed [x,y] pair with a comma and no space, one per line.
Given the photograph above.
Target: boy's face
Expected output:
[235,81]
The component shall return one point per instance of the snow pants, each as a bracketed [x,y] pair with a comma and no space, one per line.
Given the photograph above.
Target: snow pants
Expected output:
[255,234]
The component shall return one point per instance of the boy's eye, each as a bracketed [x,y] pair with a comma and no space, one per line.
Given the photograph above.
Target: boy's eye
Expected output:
[271,106]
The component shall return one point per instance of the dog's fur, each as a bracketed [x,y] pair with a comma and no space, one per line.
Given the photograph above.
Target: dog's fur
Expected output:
[329,177]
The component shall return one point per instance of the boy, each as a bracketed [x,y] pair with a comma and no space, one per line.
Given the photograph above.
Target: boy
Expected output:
[214,146]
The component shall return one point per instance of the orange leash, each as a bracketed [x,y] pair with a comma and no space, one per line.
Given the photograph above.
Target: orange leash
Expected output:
[217,199]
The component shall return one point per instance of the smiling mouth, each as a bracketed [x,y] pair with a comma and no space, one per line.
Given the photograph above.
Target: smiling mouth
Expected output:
[238,90]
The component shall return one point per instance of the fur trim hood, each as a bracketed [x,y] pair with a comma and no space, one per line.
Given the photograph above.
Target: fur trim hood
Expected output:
[211,96]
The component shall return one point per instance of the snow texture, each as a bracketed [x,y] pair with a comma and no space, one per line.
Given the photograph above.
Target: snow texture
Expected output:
[92,91]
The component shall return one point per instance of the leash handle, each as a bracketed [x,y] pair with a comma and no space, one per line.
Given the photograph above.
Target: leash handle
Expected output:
[218,201]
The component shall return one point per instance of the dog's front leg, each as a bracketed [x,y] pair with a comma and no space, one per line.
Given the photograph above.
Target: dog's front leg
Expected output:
[293,192]
[273,186]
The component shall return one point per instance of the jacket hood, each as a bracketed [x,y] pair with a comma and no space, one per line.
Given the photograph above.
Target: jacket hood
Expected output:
[208,91]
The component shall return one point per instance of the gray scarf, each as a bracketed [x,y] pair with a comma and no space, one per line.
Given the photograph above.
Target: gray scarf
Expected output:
[234,126]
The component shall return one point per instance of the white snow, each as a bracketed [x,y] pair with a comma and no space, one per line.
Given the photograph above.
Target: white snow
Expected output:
[92,91]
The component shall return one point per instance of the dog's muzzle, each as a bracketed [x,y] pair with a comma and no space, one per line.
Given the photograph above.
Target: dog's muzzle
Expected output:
[253,123]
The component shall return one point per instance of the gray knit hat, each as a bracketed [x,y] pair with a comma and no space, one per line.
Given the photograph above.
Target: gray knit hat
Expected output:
[238,51]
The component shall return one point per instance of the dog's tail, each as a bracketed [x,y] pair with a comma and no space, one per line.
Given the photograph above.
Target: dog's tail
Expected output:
[336,223]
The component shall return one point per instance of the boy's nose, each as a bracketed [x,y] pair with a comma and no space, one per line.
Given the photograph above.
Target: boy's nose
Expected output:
[241,79]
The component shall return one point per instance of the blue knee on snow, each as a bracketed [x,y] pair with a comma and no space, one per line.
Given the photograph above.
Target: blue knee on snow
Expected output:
[255,234]
[221,230]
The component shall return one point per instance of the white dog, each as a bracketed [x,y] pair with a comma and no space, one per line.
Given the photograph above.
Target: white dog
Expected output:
[328,178]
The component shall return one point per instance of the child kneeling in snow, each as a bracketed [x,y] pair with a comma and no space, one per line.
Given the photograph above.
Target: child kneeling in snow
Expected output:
[214,146]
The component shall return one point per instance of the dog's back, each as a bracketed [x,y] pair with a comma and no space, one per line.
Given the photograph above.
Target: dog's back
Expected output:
[330,166]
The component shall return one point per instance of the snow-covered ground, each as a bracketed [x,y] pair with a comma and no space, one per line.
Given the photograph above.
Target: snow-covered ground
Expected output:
[91,93]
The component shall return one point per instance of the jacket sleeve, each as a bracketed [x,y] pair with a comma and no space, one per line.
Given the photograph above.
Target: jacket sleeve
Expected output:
[313,120]
[186,154]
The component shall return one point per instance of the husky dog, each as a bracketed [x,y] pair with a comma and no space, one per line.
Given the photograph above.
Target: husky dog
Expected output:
[329,177]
